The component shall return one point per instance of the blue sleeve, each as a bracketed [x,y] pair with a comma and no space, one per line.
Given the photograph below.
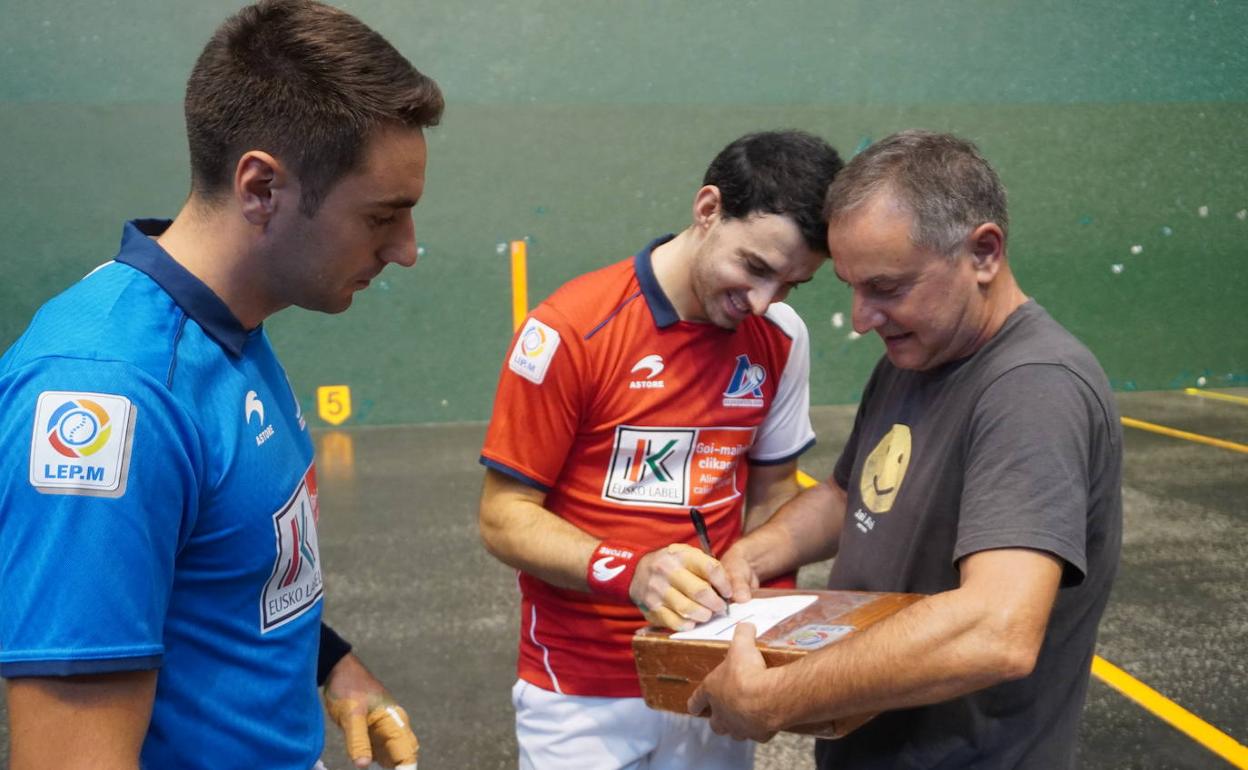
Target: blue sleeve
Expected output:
[99,487]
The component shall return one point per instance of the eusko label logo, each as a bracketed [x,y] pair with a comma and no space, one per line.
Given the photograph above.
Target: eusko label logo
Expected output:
[79,428]
[675,466]
[650,466]
[295,584]
[81,443]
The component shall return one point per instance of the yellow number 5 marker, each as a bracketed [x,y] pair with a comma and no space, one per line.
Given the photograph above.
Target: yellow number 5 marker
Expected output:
[333,403]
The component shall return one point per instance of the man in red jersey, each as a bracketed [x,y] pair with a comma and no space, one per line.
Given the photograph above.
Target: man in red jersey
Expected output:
[672,380]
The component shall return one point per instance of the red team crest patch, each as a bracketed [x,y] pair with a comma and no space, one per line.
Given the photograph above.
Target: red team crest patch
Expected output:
[675,466]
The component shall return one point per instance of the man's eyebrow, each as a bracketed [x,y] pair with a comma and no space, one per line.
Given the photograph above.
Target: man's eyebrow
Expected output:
[397,202]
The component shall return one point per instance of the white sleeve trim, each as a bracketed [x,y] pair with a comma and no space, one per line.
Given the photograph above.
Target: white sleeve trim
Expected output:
[786,430]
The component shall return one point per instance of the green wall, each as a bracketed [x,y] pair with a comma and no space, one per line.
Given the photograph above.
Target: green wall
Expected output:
[585,127]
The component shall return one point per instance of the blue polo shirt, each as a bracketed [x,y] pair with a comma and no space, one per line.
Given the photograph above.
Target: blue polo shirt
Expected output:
[158,510]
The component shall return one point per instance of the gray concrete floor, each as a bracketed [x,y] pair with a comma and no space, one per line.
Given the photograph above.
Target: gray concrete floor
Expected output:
[436,617]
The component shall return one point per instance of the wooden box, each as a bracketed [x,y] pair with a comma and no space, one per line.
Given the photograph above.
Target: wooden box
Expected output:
[671,669]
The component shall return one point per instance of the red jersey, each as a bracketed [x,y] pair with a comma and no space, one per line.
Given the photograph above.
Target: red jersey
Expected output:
[626,417]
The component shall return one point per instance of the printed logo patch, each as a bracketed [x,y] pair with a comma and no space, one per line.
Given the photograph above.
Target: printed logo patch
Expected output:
[884,470]
[812,637]
[746,386]
[535,347]
[651,366]
[296,583]
[254,407]
[81,443]
[675,466]
[604,571]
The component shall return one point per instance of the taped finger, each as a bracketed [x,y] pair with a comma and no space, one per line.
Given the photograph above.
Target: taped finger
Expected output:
[685,607]
[392,738]
[699,591]
[665,617]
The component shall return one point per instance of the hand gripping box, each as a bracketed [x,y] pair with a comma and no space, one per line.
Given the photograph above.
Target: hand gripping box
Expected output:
[671,669]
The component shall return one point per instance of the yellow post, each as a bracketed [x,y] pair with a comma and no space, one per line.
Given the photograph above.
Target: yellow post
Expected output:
[519,283]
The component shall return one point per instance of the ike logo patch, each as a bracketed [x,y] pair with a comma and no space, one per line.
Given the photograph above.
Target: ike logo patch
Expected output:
[81,443]
[535,347]
[296,583]
[675,466]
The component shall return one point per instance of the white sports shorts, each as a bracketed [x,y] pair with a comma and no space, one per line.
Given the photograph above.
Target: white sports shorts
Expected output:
[578,732]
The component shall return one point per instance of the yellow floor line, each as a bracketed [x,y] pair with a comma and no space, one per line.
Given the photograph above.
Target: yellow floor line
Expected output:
[1199,439]
[805,479]
[1218,396]
[1172,713]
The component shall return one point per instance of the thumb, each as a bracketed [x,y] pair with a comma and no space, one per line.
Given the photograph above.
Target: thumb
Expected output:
[741,592]
[699,703]
[350,717]
[743,643]
[355,735]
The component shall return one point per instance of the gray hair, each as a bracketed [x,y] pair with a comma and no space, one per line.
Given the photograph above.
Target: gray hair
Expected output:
[942,180]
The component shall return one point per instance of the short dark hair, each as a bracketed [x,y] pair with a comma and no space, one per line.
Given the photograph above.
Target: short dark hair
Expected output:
[944,181]
[777,172]
[304,81]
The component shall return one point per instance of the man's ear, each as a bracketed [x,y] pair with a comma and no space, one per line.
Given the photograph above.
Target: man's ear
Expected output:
[987,245]
[707,207]
[261,185]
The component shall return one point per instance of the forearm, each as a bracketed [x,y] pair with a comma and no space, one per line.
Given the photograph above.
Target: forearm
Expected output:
[538,542]
[518,531]
[807,528]
[987,631]
[769,488]
[921,655]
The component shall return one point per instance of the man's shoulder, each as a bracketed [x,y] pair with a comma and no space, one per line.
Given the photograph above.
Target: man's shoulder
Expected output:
[114,315]
[1033,336]
[784,319]
[585,301]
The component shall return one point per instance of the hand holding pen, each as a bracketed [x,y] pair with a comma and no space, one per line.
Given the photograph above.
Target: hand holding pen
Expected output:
[704,539]
[679,586]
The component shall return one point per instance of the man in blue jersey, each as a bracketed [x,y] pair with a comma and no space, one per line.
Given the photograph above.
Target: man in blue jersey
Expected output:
[158,503]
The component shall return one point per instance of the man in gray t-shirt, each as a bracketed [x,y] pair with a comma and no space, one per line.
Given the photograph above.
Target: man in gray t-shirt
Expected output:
[984,468]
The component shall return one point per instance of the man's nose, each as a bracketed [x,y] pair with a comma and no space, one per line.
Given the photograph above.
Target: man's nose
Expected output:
[401,249]
[761,297]
[865,316]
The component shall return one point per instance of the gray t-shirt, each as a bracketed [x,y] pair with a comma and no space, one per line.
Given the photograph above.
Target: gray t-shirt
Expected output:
[1016,446]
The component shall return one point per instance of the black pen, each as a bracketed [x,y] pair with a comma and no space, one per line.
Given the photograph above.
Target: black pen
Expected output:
[699,524]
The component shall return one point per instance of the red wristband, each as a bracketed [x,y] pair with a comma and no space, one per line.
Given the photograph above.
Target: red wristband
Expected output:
[611,569]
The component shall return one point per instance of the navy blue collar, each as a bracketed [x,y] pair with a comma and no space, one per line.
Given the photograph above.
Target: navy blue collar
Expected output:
[660,306]
[139,251]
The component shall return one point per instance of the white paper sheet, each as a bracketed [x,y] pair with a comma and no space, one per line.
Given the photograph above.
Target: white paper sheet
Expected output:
[763,613]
